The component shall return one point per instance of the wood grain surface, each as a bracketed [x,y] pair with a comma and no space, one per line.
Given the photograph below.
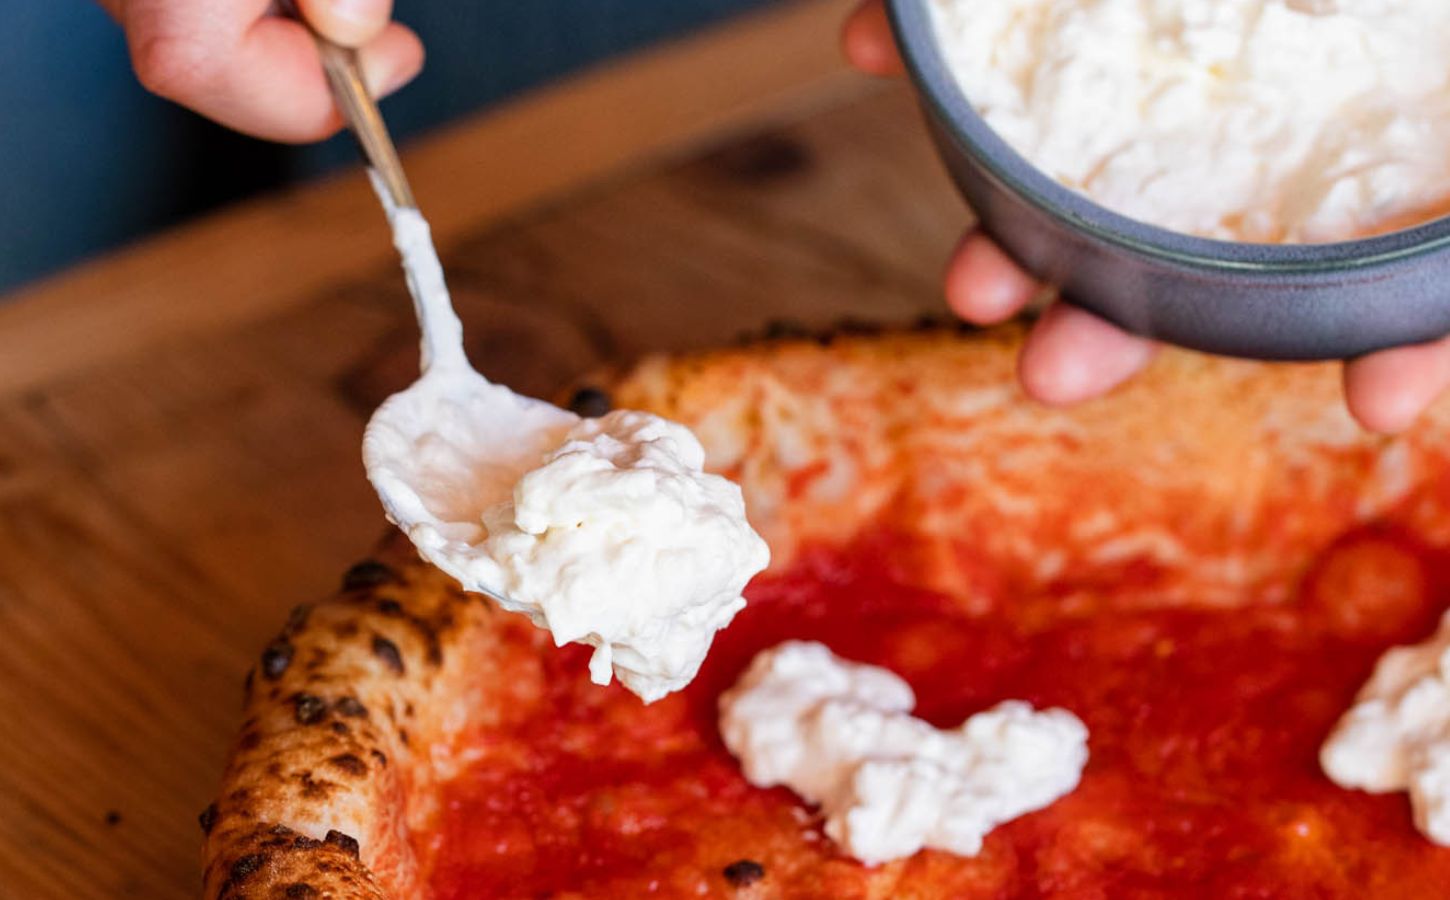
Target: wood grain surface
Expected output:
[164,502]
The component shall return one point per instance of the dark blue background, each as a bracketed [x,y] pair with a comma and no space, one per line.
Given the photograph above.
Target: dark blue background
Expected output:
[89,160]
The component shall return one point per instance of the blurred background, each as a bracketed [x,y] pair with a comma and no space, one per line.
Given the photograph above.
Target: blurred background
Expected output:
[91,161]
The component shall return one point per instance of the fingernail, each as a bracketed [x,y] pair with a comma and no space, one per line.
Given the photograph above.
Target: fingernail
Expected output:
[384,74]
[351,23]
[364,12]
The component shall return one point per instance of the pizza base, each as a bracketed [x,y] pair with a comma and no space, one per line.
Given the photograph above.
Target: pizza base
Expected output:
[1205,484]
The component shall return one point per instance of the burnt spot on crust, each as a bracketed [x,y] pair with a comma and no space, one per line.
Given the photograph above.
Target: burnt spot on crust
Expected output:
[247,685]
[381,757]
[276,658]
[792,330]
[858,328]
[366,574]
[318,657]
[390,608]
[344,842]
[785,330]
[343,630]
[279,836]
[341,728]
[387,651]
[435,647]
[315,788]
[113,817]
[349,763]
[300,890]
[590,402]
[403,736]
[744,872]
[241,870]
[296,619]
[350,706]
[309,708]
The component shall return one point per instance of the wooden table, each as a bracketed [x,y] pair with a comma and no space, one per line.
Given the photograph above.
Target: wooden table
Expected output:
[180,424]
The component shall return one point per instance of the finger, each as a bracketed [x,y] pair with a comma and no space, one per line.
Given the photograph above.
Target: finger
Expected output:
[983,284]
[867,42]
[352,23]
[1072,355]
[1387,391]
[253,72]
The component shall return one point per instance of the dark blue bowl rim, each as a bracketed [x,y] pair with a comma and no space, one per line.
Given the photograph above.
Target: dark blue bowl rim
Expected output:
[916,35]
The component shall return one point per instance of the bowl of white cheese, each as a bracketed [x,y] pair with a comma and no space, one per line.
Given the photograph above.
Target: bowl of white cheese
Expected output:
[1259,178]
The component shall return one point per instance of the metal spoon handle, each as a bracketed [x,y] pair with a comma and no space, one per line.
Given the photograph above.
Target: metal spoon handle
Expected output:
[360,111]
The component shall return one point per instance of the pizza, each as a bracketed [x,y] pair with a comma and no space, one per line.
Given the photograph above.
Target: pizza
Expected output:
[1203,567]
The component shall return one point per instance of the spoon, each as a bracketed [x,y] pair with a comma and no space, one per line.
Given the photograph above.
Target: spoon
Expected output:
[608,533]
[454,444]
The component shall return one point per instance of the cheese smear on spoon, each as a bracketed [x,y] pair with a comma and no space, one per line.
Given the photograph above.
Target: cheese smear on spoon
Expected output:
[607,532]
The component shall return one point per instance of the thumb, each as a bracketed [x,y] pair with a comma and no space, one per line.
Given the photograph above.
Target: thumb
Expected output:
[351,23]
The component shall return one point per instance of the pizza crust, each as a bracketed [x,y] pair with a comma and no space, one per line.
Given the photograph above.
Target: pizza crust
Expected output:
[344,710]
[1219,478]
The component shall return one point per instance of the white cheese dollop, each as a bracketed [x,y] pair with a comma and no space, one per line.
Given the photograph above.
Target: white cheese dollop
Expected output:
[620,540]
[1396,737]
[1257,120]
[841,734]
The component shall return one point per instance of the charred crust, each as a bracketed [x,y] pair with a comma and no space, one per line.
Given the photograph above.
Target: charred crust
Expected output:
[341,728]
[113,817]
[309,708]
[350,706]
[590,402]
[792,330]
[300,890]
[276,658]
[367,574]
[387,651]
[785,330]
[249,740]
[296,619]
[859,328]
[381,757]
[390,608]
[247,685]
[315,788]
[349,763]
[208,818]
[241,870]
[344,842]
[744,872]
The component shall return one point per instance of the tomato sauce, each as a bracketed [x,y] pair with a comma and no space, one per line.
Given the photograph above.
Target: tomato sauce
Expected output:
[1203,779]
